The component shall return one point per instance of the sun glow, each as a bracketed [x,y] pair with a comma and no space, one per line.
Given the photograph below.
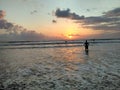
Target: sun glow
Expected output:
[69,36]
[68,31]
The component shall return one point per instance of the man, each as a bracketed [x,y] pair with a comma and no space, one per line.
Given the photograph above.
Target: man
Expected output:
[86,44]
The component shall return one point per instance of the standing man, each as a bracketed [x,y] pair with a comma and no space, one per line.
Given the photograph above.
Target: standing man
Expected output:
[86,44]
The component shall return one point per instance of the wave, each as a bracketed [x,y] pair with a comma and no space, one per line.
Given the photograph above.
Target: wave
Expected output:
[52,44]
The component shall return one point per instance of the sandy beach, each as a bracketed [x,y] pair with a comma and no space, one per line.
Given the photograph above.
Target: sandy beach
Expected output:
[61,68]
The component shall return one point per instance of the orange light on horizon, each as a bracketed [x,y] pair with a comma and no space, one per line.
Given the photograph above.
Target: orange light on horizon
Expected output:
[67,30]
[69,36]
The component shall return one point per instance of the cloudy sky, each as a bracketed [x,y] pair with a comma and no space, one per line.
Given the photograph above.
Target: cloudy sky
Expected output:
[59,19]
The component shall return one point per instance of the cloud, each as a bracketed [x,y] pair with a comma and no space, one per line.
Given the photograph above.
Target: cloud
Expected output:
[102,23]
[76,35]
[31,35]
[9,27]
[54,21]
[5,25]
[33,12]
[88,10]
[17,32]
[2,14]
[108,21]
[113,13]
[67,14]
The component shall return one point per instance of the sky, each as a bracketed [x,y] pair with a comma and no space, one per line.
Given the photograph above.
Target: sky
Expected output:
[59,19]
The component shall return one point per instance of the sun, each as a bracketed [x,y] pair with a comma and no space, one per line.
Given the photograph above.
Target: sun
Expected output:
[70,36]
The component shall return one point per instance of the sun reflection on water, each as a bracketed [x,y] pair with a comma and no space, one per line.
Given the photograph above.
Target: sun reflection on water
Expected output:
[70,55]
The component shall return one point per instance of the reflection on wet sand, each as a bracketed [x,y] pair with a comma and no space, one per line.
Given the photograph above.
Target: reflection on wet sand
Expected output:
[87,52]
[73,55]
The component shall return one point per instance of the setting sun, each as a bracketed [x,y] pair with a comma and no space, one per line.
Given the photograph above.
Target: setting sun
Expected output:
[70,37]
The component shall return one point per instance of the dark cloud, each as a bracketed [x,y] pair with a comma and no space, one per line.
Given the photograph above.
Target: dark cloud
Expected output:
[10,27]
[67,14]
[16,32]
[101,23]
[24,36]
[33,12]
[62,13]
[113,13]
[88,10]
[31,35]
[99,19]
[5,25]
[109,21]
[75,35]
[54,21]
[2,14]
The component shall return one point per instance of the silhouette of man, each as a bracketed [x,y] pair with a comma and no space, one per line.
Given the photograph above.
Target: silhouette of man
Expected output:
[86,44]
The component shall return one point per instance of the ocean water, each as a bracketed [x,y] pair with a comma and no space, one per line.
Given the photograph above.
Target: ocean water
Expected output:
[60,66]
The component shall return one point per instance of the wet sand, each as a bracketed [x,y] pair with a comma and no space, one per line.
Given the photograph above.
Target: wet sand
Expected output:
[66,68]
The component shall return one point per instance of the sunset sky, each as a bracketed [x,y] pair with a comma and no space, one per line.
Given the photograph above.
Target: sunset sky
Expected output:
[59,19]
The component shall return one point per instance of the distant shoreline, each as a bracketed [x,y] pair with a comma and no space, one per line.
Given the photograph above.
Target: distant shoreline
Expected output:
[91,39]
[59,43]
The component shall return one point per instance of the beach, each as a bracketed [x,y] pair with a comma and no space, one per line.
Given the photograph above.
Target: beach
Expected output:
[60,68]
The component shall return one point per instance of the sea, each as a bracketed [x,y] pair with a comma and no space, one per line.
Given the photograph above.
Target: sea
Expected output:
[60,65]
